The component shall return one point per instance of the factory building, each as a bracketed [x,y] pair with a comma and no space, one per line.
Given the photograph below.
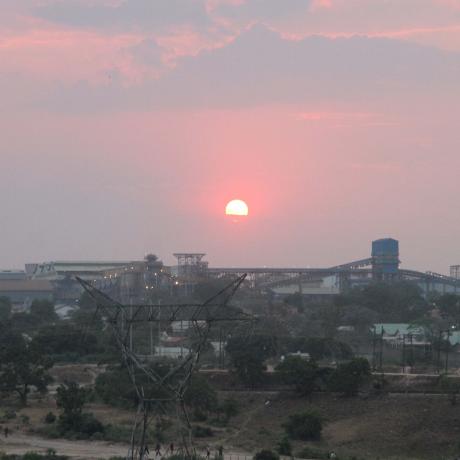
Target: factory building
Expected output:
[140,281]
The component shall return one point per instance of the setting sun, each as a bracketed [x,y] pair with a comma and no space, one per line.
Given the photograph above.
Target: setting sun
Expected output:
[236,208]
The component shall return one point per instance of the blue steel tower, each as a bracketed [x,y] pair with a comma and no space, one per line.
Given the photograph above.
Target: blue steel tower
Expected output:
[385,259]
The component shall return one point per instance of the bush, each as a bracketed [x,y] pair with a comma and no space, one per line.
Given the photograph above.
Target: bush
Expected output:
[304,427]
[284,447]
[303,374]
[50,418]
[266,455]
[117,433]
[230,408]
[82,426]
[202,431]
[90,425]
[9,414]
[349,377]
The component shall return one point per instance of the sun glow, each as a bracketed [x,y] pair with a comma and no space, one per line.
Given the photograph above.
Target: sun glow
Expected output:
[237,208]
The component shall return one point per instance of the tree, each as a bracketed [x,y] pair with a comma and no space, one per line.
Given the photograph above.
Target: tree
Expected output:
[331,318]
[201,395]
[349,377]
[229,407]
[299,372]
[64,339]
[396,302]
[43,311]
[449,304]
[5,308]
[361,318]
[318,347]
[249,367]
[22,366]
[264,346]
[71,398]
[115,387]
[306,426]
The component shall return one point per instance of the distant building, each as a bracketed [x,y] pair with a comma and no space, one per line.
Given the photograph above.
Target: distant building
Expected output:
[8,275]
[398,334]
[455,271]
[385,259]
[62,275]
[22,292]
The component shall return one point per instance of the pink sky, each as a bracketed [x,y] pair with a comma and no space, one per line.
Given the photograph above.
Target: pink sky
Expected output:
[128,124]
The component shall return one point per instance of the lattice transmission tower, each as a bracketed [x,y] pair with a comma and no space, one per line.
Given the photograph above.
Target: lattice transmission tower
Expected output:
[170,387]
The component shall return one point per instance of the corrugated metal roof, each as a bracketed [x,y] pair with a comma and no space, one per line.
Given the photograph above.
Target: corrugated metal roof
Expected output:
[25,285]
[397,328]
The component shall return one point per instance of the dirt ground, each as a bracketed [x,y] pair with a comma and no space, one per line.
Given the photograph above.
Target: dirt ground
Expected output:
[386,427]
[20,443]
[403,427]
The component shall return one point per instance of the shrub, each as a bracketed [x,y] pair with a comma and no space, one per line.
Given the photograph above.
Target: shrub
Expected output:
[306,426]
[230,408]
[90,425]
[202,431]
[50,418]
[9,414]
[284,447]
[349,377]
[266,455]
[303,374]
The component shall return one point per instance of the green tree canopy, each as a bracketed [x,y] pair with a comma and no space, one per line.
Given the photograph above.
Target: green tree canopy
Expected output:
[349,377]
[43,311]
[5,308]
[399,302]
[201,395]
[65,338]
[22,366]
[299,372]
[249,367]
[449,305]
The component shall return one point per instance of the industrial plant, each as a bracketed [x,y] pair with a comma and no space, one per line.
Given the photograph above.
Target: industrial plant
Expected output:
[134,280]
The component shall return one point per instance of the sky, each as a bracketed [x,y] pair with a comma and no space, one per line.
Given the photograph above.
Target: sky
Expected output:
[127,126]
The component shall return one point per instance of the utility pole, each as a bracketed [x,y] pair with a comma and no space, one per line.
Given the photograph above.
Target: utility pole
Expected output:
[446,367]
[404,354]
[374,340]
[439,351]
[159,327]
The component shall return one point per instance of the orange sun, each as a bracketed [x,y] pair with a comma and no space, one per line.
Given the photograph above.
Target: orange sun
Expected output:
[237,208]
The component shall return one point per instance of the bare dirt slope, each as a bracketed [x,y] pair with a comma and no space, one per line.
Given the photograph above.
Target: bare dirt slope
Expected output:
[386,427]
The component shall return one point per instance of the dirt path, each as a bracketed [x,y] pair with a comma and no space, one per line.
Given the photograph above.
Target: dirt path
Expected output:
[18,443]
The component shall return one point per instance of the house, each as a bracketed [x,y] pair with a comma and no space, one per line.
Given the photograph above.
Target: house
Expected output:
[399,334]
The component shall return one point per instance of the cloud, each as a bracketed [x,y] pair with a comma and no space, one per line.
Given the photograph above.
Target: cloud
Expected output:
[260,10]
[148,15]
[260,68]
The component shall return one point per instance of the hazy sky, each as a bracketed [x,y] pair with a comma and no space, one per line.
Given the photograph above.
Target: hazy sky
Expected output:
[126,126]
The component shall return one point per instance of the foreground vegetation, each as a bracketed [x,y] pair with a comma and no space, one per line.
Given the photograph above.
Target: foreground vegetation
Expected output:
[337,403]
